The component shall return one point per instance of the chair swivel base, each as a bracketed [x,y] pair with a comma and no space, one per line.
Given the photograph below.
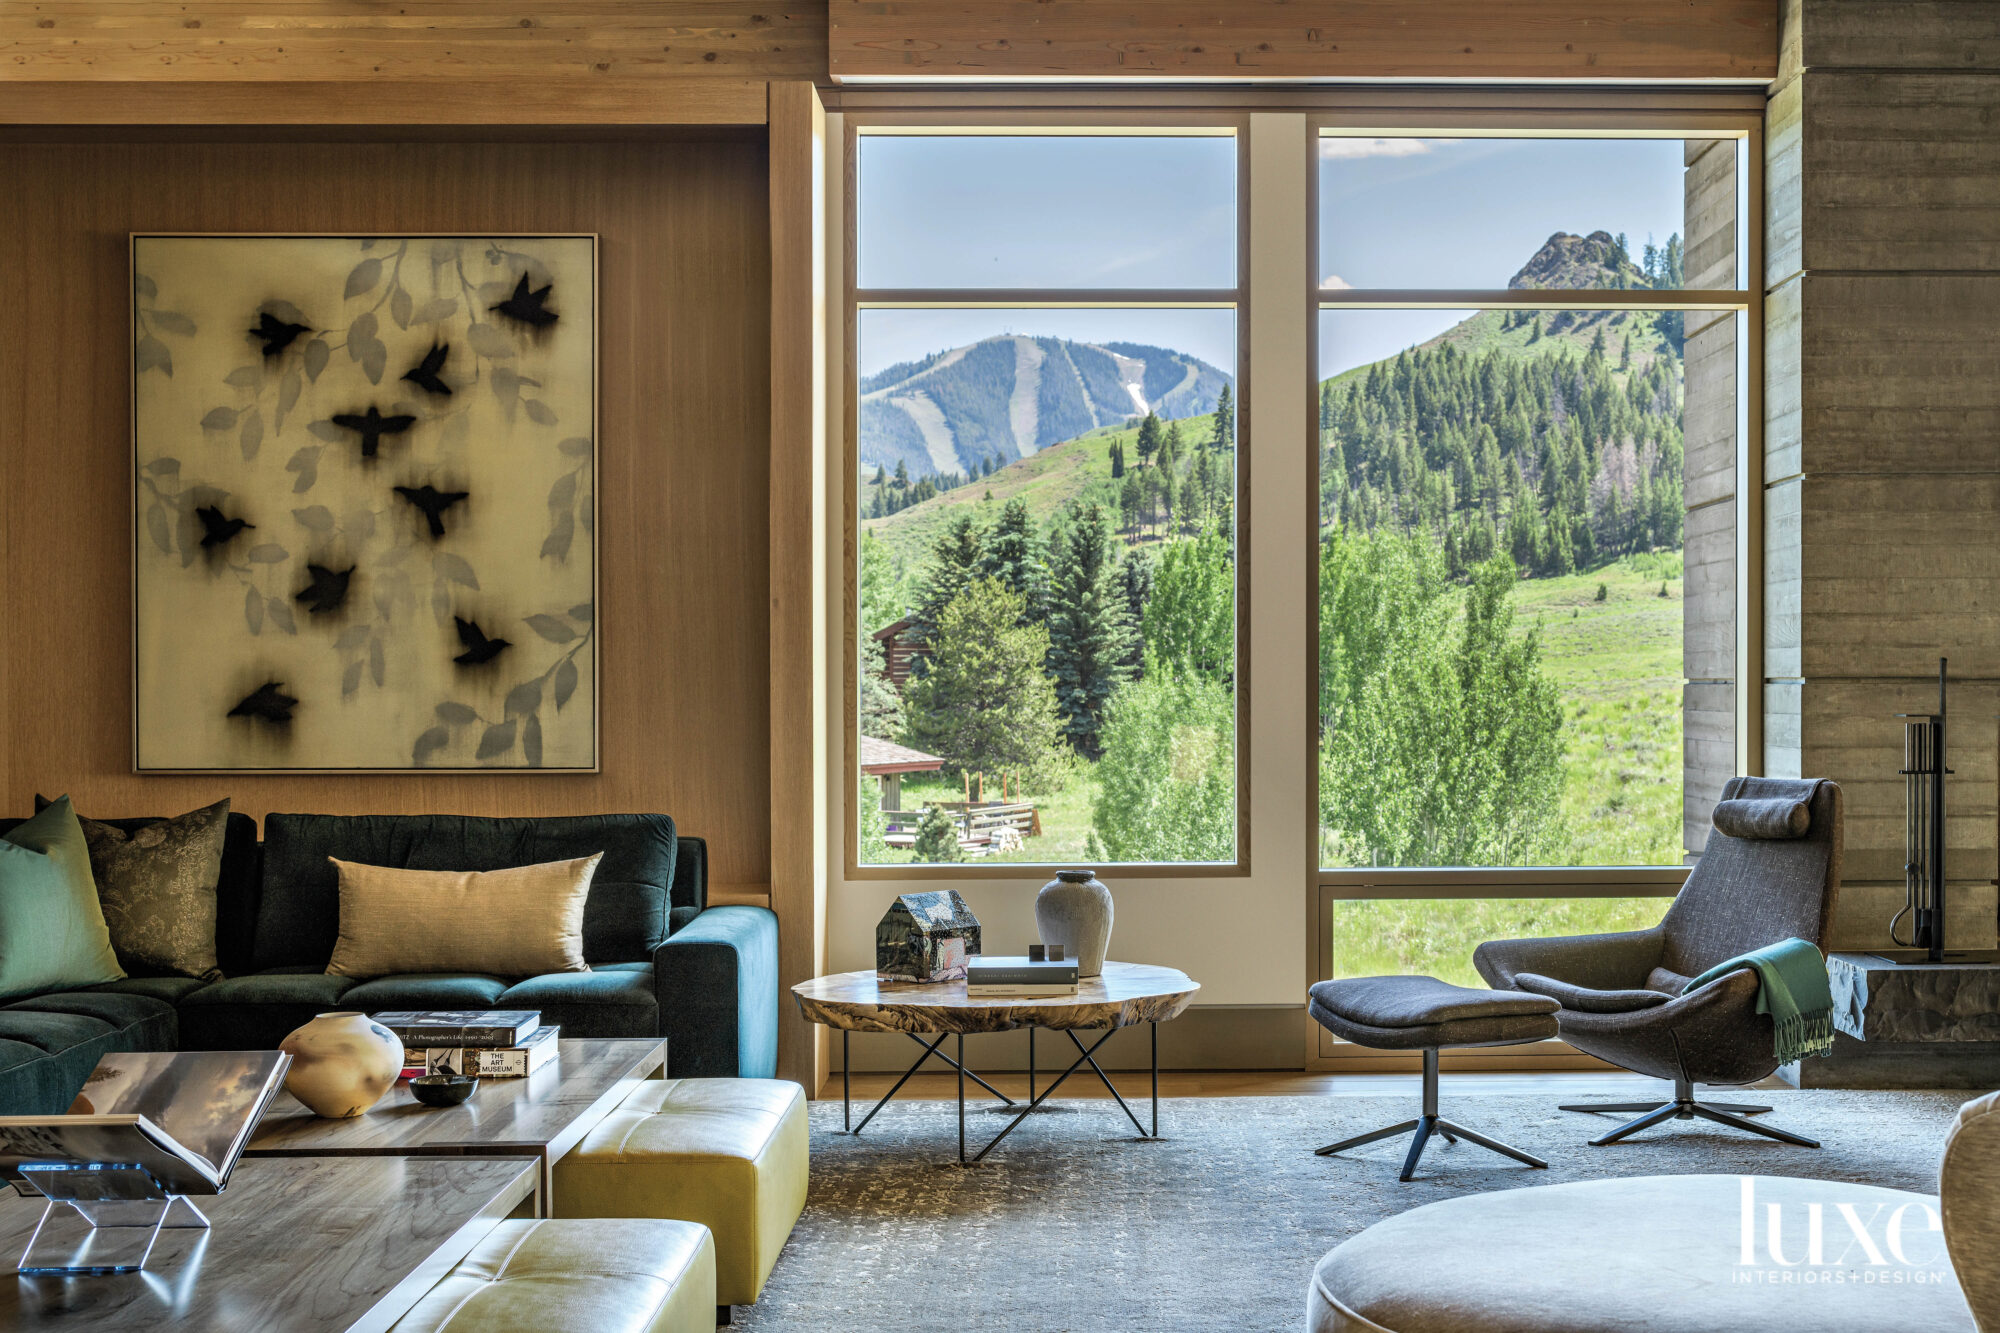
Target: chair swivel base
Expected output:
[1685,1106]
[1427,1124]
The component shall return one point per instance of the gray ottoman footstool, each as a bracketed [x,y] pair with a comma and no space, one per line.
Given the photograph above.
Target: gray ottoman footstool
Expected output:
[1651,1254]
[1423,1013]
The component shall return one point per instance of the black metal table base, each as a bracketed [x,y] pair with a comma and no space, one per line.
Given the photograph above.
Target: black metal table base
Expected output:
[1085,1055]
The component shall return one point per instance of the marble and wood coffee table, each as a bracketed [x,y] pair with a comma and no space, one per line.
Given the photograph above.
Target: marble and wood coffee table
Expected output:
[320,1245]
[1126,995]
[541,1116]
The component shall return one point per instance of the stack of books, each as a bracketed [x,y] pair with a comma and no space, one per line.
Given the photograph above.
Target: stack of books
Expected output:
[485,1043]
[1020,977]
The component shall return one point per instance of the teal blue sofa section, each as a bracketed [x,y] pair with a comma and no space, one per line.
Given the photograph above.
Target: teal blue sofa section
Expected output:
[662,962]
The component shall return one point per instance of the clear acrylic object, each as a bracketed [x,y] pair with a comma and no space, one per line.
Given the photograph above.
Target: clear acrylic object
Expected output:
[123,1206]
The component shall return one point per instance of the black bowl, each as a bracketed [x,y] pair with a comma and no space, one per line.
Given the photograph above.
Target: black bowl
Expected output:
[442,1089]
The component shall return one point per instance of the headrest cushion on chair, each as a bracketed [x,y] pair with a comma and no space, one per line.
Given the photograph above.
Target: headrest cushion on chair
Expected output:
[1765,817]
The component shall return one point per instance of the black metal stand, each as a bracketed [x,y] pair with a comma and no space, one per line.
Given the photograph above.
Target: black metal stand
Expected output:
[1924,771]
[1085,1055]
[930,1049]
[1425,1125]
[1685,1106]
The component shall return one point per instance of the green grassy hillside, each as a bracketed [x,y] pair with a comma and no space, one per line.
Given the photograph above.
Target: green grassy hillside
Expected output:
[1485,332]
[1618,664]
[1078,469]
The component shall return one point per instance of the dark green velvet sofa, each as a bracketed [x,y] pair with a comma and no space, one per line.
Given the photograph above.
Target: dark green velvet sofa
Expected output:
[662,962]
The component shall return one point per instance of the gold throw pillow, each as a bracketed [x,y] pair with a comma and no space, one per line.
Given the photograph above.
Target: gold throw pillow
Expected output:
[519,922]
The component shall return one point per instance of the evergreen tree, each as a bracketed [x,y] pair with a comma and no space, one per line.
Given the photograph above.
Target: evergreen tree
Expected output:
[1090,631]
[986,704]
[954,564]
[1130,501]
[1138,575]
[937,838]
[1012,554]
[880,707]
[1149,439]
[1117,460]
[1224,436]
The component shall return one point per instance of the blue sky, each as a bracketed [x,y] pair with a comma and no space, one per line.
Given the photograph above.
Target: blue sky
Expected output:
[1094,212]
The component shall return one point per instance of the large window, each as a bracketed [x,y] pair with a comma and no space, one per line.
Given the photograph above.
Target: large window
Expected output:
[1530,353]
[1046,343]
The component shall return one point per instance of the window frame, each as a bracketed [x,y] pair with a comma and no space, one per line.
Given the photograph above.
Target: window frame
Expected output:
[1617,119]
[1095,121]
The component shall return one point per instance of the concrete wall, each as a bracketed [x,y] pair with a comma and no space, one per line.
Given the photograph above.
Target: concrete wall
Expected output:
[1882,426]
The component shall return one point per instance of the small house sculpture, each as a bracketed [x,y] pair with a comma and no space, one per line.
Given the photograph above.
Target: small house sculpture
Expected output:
[925,937]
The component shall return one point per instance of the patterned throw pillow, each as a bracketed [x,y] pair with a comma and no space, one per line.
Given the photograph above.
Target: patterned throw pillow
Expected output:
[156,884]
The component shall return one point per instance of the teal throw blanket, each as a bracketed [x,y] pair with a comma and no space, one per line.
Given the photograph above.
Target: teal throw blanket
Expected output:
[1792,989]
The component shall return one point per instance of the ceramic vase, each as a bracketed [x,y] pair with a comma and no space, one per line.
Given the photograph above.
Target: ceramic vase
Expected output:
[1074,910]
[342,1064]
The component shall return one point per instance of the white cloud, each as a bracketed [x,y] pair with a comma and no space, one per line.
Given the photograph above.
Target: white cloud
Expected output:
[1347,147]
[1336,283]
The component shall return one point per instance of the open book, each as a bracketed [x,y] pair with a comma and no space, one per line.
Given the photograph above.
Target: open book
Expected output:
[184,1116]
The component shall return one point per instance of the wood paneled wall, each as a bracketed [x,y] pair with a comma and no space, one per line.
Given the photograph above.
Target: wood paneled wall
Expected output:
[684,512]
[548,42]
[1882,397]
[580,43]
[1302,39]
[799,626]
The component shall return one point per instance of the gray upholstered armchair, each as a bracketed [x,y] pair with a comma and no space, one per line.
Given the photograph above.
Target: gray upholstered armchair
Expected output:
[1621,994]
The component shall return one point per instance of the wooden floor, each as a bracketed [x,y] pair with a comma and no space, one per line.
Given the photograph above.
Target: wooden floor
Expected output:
[1282,1083]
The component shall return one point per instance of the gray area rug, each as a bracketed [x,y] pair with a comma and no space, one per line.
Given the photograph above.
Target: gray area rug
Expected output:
[1075,1224]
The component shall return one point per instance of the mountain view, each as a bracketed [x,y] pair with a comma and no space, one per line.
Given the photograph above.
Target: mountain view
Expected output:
[1500,584]
[970,409]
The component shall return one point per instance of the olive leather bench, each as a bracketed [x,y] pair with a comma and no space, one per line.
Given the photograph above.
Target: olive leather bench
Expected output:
[628,1276]
[729,1153]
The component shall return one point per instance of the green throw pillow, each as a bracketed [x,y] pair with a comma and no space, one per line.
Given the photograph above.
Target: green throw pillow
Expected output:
[52,934]
[156,885]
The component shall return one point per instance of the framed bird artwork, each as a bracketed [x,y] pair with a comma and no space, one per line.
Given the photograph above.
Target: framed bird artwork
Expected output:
[364,490]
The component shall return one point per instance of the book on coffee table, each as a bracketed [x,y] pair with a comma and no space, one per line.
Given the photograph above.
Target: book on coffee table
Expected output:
[517,1061]
[184,1117]
[423,1029]
[999,976]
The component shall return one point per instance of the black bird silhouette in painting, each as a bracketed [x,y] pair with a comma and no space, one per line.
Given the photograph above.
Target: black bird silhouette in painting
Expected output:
[478,648]
[217,530]
[433,502]
[527,306]
[328,589]
[371,426]
[425,373]
[278,334]
[268,702]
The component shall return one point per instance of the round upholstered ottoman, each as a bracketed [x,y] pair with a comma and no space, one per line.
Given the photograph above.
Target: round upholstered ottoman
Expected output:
[1652,1254]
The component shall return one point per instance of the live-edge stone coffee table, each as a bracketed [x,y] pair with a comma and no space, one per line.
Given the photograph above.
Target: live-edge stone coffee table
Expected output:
[1126,995]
